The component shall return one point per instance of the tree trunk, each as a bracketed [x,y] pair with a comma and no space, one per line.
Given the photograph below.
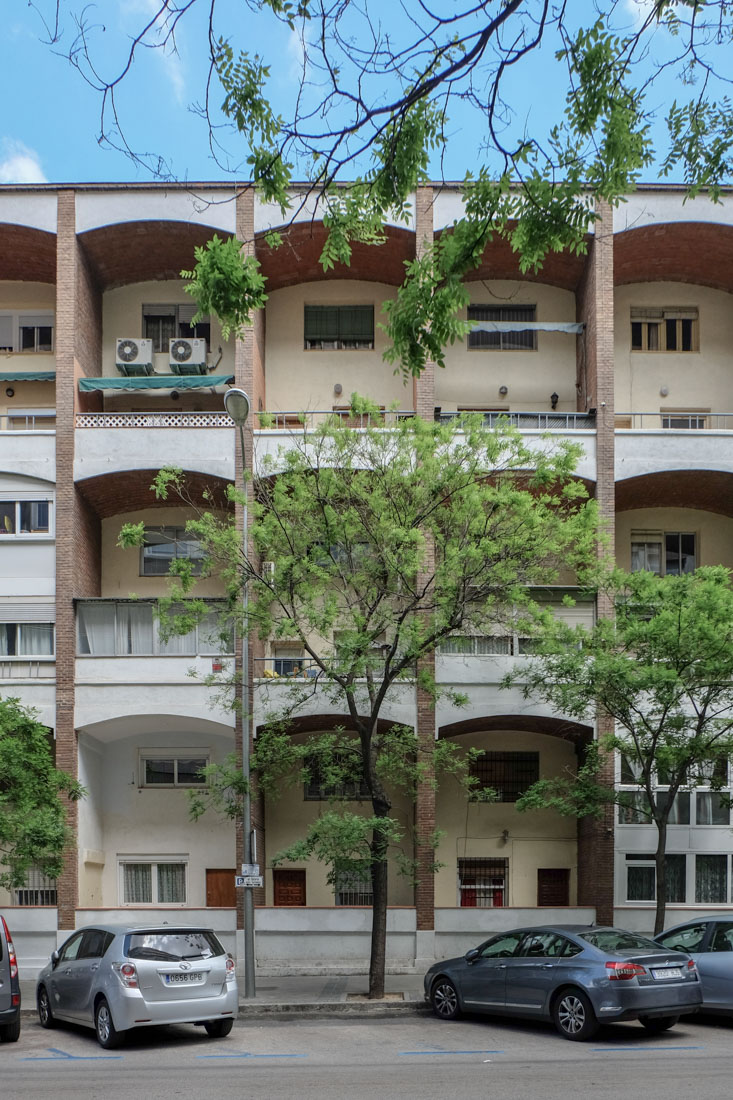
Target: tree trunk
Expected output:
[661,866]
[379,916]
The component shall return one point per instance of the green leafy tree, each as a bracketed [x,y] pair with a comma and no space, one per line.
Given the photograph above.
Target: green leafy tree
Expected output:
[382,98]
[662,669]
[384,540]
[33,830]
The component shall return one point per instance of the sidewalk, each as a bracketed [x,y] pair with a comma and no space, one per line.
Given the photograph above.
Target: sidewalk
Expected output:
[319,994]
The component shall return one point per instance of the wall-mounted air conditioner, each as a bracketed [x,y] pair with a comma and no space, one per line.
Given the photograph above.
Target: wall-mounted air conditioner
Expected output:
[187,356]
[134,356]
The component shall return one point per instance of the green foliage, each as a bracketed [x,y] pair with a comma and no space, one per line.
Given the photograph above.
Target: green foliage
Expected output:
[33,830]
[226,282]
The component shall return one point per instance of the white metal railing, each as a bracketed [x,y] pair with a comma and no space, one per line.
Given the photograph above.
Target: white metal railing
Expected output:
[154,420]
[675,421]
[544,421]
[23,668]
[28,422]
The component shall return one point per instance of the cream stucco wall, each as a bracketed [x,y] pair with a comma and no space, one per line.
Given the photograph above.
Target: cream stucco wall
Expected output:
[300,380]
[472,377]
[473,830]
[124,819]
[695,380]
[714,534]
[121,568]
[28,395]
[122,315]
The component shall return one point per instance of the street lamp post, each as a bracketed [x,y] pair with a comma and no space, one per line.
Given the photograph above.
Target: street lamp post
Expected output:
[236,403]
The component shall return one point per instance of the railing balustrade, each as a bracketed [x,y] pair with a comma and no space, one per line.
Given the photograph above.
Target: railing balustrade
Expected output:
[28,422]
[674,421]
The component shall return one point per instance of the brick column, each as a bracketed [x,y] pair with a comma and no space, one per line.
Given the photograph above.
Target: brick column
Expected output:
[249,375]
[424,405]
[596,390]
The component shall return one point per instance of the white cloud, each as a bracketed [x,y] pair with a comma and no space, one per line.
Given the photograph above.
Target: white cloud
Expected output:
[19,164]
[638,10]
[296,55]
[168,54]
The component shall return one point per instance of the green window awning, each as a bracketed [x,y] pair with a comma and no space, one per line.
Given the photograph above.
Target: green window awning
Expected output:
[156,382]
[27,375]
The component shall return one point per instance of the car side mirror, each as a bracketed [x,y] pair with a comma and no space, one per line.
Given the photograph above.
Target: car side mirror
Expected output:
[54,958]
[471,955]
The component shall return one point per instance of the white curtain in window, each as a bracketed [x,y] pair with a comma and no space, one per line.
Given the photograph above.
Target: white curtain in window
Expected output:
[137,887]
[711,880]
[97,629]
[36,639]
[7,639]
[171,883]
[134,629]
[178,644]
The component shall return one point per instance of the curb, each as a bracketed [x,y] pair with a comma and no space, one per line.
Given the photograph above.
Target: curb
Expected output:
[353,1009]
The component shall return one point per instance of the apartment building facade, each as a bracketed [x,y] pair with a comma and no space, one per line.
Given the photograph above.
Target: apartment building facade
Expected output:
[103,380]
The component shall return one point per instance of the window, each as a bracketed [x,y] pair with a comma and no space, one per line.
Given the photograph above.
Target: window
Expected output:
[327,328]
[668,329]
[163,545]
[685,939]
[26,639]
[514,339]
[159,768]
[288,660]
[479,646]
[127,629]
[163,323]
[641,877]
[482,884]
[153,882]
[711,879]
[38,889]
[353,885]
[26,332]
[502,946]
[508,773]
[664,553]
[688,421]
[23,518]
[351,788]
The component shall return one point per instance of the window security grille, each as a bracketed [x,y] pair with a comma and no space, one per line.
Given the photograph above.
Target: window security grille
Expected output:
[482,883]
[38,890]
[510,774]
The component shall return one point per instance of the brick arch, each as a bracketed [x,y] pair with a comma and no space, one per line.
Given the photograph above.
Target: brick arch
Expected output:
[580,735]
[319,723]
[297,260]
[705,490]
[27,255]
[675,252]
[143,251]
[559,269]
[129,491]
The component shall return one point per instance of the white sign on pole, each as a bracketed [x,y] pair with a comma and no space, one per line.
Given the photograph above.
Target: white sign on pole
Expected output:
[248,880]
[250,868]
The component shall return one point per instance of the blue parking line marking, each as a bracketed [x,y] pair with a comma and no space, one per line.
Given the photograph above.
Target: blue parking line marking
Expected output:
[638,1050]
[246,1054]
[56,1055]
[404,1053]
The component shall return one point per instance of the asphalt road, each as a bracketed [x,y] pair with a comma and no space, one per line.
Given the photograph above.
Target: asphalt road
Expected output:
[404,1058]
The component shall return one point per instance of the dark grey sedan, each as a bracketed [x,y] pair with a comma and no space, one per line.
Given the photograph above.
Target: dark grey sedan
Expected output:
[710,943]
[575,975]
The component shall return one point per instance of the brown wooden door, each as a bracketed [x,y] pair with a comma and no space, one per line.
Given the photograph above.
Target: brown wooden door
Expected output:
[221,892]
[288,887]
[553,886]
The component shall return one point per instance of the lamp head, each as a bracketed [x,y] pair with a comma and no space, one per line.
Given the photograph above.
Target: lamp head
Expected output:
[236,403]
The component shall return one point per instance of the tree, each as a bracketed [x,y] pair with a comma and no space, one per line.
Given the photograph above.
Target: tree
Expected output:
[662,669]
[383,541]
[33,830]
[379,101]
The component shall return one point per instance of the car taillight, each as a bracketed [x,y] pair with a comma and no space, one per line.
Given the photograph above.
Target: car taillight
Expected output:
[691,965]
[127,974]
[624,971]
[230,969]
[11,951]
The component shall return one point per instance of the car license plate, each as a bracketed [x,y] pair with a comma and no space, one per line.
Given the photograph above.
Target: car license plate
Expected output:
[667,972]
[189,978]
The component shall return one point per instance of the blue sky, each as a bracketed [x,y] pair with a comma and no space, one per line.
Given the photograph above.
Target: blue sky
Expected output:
[50,122]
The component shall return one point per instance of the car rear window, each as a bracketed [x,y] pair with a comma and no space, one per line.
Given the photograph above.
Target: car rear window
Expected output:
[173,946]
[614,939]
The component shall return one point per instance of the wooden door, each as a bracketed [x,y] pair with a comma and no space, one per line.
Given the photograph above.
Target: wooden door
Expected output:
[553,886]
[221,892]
[288,887]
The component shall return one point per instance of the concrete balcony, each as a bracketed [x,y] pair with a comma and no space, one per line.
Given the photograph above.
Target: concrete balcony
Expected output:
[28,451]
[649,443]
[108,443]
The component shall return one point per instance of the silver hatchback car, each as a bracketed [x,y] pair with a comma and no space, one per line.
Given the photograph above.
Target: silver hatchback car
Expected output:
[116,978]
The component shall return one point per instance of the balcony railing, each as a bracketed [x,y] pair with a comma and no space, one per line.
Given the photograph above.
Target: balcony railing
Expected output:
[28,668]
[28,422]
[544,421]
[675,421]
[154,420]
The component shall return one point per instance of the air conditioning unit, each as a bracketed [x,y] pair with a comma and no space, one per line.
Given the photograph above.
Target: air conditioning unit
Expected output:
[134,356]
[187,356]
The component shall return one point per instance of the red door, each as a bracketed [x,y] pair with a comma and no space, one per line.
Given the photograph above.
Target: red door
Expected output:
[220,890]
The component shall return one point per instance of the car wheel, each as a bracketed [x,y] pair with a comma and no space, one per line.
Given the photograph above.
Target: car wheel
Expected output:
[10,1033]
[217,1029]
[45,1015]
[574,1016]
[107,1035]
[655,1024]
[444,999]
